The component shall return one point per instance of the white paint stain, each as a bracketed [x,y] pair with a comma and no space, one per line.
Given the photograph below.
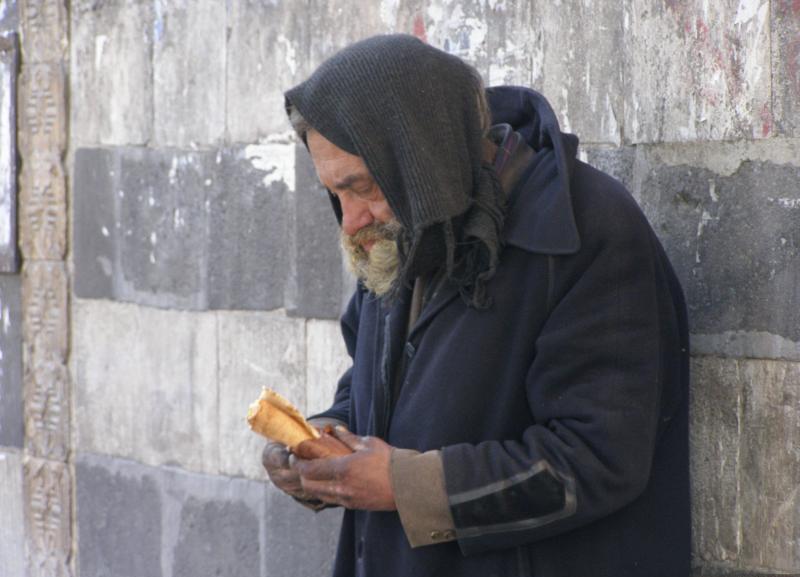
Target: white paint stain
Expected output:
[177,218]
[207,182]
[746,11]
[152,258]
[6,163]
[786,202]
[104,231]
[99,48]
[153,238]
[388,12]
[291,53]
[275,159]
[705,218]
[712,190]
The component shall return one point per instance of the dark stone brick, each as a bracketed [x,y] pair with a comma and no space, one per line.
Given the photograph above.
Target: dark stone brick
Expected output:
[163,213]
[96,226]
[618,162]
[316,277]
[9,259]
[247,247]
[217,538]
[119,522]
[735,244]
[290,529]
[11,421]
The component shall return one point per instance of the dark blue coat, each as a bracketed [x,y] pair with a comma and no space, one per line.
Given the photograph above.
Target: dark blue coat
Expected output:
[561,411]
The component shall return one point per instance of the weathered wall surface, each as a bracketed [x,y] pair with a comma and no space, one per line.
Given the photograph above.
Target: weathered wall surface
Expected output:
[202,259]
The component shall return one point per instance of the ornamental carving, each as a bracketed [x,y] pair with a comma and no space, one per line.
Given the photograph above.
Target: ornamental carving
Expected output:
[41,109]
[44,310]
[44,23]
[43,209]
[47,518]
[46,408]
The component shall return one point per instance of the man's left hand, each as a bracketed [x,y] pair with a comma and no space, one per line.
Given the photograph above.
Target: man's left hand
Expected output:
[358,481]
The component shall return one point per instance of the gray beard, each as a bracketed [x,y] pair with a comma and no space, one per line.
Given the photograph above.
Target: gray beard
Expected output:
[379,268]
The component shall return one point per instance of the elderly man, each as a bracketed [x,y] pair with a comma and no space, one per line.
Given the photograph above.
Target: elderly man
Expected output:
[517,403]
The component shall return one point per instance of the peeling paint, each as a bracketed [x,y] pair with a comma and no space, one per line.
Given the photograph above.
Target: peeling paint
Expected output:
[99,48]
[276,160]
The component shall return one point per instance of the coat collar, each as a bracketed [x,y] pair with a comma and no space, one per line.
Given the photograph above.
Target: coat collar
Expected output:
[540,217]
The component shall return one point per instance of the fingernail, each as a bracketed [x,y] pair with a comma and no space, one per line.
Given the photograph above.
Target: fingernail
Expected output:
[341,428]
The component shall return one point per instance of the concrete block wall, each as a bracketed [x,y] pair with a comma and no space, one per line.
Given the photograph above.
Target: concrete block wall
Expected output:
[203,261]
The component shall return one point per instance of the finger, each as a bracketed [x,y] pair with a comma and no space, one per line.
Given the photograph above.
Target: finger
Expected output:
[274,456]
[355,442]
[319,469]
[330,492]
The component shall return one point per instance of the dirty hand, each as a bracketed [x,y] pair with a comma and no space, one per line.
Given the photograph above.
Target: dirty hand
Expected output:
[275,459]
[358,481]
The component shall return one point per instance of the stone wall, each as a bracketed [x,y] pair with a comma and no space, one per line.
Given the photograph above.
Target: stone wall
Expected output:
[198,259]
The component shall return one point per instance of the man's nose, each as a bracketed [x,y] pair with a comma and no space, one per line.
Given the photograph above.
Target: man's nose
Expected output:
[355,215]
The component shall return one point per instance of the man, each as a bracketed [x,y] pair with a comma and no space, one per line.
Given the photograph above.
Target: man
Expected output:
[517,403]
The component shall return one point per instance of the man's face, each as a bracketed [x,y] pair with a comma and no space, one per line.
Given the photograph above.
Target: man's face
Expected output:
[369,228]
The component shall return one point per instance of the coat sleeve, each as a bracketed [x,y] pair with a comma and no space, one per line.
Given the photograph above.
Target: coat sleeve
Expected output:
[594,393]
[340,410]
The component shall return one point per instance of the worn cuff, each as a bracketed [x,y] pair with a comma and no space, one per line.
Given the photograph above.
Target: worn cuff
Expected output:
[421,497]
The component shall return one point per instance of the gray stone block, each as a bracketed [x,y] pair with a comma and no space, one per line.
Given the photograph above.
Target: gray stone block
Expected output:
[111,80]
[255,350]
[164,226]
[770,465]
[248,215]
[183,229]
[96,225]
[617,162]
[695,72]
[9,16]
[267,52]
[784,118]
[145,384]
[119,522]
[12,521]
[11,413]
[143,520]
[735,244]
[316,284]
[289,529]
[715,467]
[189,72]
[217,538]
[8,150]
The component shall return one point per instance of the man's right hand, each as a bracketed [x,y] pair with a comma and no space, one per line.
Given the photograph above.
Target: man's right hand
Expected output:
[275,459]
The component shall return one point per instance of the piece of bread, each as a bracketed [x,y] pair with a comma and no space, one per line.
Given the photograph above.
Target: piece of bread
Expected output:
[276,418]
[323,447]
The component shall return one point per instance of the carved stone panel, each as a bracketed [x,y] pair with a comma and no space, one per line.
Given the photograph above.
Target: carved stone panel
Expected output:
[8,154]
[47,408]
[42,109]
[44,27]
[43,208]
[47,518]
[44,309]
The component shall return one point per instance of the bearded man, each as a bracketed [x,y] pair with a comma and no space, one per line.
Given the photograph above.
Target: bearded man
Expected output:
[517,403]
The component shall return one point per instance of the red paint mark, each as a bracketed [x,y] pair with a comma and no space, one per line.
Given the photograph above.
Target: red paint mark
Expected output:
[419,28]
[702,30]
[789,7]
[766,120]
[793,64]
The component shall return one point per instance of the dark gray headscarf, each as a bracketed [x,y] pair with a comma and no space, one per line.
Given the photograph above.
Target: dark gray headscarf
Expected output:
[411,112]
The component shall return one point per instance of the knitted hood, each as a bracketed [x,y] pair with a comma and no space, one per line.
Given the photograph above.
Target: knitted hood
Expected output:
[410,111]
